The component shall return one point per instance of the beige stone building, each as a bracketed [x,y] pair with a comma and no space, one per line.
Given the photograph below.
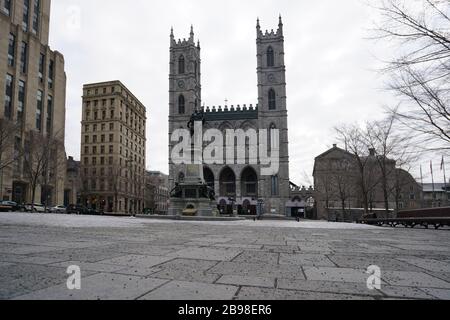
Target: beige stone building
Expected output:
[33,93]
[112,148]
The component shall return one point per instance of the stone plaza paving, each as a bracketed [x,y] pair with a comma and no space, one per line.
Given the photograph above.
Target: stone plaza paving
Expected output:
[131,258]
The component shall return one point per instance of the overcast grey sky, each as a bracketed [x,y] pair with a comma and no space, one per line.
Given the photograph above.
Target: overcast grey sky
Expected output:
[330,64]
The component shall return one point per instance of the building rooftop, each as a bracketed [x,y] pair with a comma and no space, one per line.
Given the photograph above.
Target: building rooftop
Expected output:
[438,187]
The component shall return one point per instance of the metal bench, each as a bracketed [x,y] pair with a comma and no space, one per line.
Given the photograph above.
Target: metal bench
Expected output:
[426,222]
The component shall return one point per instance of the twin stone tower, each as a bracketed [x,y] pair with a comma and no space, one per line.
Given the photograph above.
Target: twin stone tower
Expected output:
[237,187]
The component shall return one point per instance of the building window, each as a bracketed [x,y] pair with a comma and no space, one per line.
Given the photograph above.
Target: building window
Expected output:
[21,105]
[26,15]
[270,57]
[181,65]
[23,57]
[11,49]
[86,139]
[37,9]
[274,185]
[272,100]
[181,105]
[39,110]
[41,67]
[7,7]
[111,138]
[51,73]
[49,113]
[8,96]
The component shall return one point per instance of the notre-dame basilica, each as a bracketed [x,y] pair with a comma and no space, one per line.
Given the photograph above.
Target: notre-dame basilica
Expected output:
[236,186]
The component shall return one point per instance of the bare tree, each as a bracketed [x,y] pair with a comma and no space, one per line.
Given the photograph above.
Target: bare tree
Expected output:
[38,157]
[354,138]
[421,72]
[8,132]
[392,150]
[344,186]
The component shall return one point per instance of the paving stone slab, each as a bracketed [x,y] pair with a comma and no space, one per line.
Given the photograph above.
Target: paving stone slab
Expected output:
[302,259]
[134,260]
[24,249]
[442,294]
[239,246]
[206,254]
[182,290]
[405,293]
[98,267]
[327,287]
[336,274]
[247,281]
[85,255]
[413,279]
[102,286]
[20,279]
[257,257]
[428,264]
[281,249]
[364,261]
[251,293]
[258,270]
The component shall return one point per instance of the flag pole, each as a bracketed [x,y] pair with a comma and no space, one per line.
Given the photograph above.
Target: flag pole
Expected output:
[421,181]
[445,181]
[432,180]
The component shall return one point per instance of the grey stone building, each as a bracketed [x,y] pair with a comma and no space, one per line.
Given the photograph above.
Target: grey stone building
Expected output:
[237,186]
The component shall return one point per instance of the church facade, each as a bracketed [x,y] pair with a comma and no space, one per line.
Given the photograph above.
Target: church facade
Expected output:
[237,186]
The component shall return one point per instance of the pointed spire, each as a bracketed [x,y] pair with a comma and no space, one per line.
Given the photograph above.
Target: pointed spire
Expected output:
[280,26]
[198,43]
[171,32]
[191,35]
[257,23]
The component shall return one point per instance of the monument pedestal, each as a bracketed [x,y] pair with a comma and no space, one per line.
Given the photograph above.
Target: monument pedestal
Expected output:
[192,197]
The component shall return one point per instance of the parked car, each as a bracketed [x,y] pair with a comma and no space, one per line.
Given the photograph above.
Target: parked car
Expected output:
[58,209]
[76,209]
[10,206]
[37,208]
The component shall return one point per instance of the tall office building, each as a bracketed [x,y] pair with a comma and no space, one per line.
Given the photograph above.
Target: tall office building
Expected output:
[33,93]
[112,149]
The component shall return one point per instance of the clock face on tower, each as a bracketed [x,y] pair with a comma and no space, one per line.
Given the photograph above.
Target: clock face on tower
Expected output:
[271,78]
[181,84]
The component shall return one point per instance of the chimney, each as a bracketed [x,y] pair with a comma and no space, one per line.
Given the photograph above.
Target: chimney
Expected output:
[372,152]
[335,145]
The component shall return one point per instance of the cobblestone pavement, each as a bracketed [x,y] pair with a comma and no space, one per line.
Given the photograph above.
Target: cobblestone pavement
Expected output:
[128,258]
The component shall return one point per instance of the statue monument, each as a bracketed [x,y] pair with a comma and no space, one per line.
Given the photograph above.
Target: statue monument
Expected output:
[193,197]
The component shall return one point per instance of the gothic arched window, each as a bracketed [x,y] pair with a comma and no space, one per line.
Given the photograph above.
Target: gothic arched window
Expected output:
[181,105]
[272,100]
[181,65]
[270,57]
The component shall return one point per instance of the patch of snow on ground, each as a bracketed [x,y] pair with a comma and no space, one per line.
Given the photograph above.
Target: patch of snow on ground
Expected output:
[76,221]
